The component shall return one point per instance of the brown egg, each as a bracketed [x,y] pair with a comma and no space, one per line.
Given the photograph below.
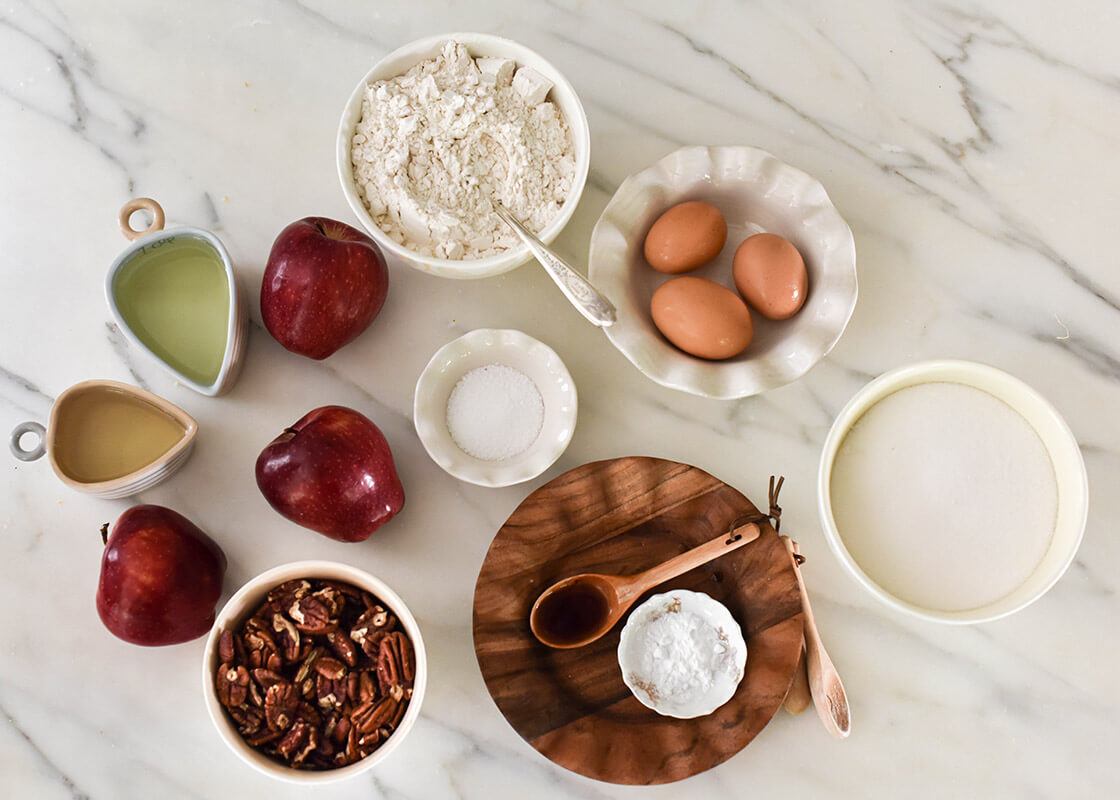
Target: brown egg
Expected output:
[702,318]
[685,237]
[770,275]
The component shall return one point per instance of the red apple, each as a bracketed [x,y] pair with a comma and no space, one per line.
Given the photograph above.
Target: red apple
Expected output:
[332,472]
[161,577]
[323,285]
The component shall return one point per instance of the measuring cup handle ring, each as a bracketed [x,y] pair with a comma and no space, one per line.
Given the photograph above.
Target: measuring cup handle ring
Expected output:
[38,450]
[137,204]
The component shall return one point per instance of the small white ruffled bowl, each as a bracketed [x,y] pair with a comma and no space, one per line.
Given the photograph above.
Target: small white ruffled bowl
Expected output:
[480,348]
[399,62]
[756,193]
[633,645]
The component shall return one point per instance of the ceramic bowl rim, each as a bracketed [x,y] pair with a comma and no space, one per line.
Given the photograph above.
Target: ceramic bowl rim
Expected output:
[241,603]
[1017,394]
[428,47]
[233,317]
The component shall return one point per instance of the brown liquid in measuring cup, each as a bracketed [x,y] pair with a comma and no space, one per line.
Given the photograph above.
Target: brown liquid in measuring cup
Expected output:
[572,614]
[104,434]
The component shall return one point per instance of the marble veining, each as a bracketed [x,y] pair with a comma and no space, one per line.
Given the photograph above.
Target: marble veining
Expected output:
[971,146]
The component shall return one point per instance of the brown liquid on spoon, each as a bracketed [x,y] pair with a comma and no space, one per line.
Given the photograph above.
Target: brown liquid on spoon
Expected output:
[572,614]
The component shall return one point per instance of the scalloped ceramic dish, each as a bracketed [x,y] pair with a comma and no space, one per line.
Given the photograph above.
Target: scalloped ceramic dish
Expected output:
[479,44]
[478,349]
[638,627]
[756,193]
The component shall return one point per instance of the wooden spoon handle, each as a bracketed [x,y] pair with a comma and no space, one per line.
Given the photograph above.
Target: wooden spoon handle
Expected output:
[799,696]
[824,681]
[690,559]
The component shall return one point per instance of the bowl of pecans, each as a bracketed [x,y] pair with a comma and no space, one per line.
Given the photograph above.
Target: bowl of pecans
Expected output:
[314,672]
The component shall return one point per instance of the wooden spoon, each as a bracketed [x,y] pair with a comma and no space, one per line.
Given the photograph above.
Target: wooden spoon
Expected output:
[824,681]
[580,609]
[799,697]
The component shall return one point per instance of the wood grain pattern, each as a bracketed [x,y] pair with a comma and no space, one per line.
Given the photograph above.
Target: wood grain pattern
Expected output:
[622,516]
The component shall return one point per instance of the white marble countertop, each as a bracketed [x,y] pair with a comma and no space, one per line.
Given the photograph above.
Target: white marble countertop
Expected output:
[973,148]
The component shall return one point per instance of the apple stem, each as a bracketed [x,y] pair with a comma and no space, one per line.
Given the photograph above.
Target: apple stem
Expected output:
[105,533]
[292,431]
[319,225]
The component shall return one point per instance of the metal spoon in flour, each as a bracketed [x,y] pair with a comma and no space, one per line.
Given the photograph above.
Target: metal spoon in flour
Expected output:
[596,308]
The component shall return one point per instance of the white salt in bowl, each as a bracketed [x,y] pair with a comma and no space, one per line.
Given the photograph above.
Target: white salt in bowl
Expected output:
[510,348]
[1060,445]
[634,644]
[478,44]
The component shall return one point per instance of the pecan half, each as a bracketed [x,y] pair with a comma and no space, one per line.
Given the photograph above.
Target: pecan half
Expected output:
[226,652]
[330,668]
[343,647]
[311,614]
[280,702]
[287,637]
[295,740]
[260,646]
[232,684]
[266,678]
[395,662]
[287,593]
[370,716]
[249,720]
[371,627]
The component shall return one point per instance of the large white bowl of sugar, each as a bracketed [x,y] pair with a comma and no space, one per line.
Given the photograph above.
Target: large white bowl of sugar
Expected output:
[952,491]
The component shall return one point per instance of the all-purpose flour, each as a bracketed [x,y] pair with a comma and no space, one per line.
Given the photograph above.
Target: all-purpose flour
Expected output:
[435,144]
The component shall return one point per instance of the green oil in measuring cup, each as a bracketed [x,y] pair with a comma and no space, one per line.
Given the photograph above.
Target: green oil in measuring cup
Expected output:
[174,295]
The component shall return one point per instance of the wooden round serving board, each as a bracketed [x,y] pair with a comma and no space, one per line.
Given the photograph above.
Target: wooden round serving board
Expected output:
[622,516]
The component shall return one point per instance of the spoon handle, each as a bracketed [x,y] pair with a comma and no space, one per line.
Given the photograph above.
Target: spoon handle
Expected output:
[596,308]
[825,686]
[690,559]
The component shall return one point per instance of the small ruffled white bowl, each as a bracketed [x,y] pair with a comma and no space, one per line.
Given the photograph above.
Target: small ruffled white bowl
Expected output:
[478,44]
[756,193]
[632,646]
[480,348]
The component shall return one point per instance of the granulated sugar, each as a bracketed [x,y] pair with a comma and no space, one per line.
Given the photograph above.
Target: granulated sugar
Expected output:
[494,412]
[945,496]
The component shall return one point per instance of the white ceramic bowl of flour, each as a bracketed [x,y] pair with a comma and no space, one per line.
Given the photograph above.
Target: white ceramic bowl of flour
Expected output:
[479,45]
[682,654]
[952,491]
[493,448]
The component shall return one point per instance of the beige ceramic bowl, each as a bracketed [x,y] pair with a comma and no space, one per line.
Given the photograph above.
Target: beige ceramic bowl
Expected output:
[1052,430]
[756,193]
[64,432]
[479,44]
[247,599]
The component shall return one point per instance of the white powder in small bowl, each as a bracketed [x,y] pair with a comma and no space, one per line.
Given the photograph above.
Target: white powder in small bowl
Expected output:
[682,654]
[495,412]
